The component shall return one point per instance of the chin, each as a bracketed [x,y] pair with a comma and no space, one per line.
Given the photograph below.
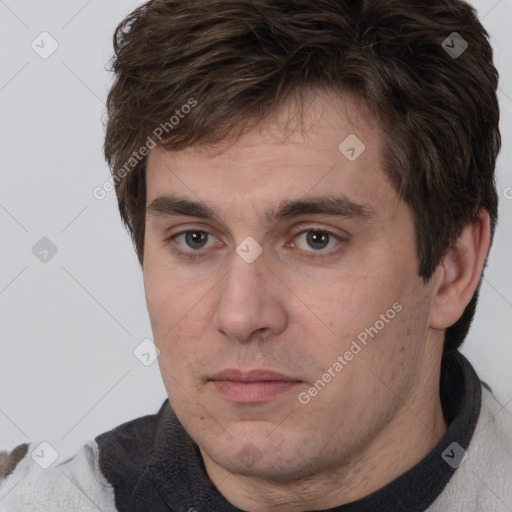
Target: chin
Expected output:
[257,456]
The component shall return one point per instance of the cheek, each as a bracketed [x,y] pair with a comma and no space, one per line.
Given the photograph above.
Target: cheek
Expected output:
[180,344]
[347,304]
[177,323]
[168,298]
[179,318]
[375,320]
[157,301]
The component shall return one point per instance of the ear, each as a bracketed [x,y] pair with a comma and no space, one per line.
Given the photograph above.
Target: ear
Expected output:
[457,276]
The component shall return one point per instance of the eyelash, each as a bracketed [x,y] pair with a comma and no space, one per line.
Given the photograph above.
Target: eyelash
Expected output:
[196,255]
[190,255]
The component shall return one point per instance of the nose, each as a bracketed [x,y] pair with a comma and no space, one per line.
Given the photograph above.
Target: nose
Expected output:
[251,301]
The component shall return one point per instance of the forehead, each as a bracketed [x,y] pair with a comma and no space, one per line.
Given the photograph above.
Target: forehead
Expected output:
[329,148]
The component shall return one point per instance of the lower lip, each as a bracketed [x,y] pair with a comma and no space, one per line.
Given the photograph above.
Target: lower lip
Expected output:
[253,392]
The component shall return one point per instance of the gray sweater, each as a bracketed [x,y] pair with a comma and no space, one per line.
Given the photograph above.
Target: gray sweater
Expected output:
[150,464]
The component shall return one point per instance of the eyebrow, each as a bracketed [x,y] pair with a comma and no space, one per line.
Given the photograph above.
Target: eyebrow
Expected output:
[338,206]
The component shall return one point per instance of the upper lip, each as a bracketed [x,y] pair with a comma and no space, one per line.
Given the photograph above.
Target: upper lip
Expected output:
[234,374]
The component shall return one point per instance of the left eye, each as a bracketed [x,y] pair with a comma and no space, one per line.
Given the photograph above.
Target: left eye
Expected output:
[317,240]
[194,239]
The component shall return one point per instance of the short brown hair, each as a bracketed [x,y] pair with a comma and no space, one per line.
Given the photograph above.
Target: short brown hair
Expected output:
[239,60]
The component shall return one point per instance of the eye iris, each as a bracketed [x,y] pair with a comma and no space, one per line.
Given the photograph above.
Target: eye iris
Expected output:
[195,239]
[317,239]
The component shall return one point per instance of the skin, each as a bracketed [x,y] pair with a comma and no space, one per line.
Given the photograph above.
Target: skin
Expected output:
[298,307]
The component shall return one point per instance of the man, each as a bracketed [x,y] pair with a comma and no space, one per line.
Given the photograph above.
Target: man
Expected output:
[310,190]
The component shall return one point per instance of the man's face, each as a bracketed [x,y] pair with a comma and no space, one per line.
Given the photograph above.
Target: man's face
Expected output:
[332,304]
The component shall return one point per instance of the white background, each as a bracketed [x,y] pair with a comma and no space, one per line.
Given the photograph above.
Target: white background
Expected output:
[69,326]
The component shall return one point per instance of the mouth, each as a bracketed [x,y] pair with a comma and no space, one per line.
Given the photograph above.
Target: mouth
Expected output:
[254,386]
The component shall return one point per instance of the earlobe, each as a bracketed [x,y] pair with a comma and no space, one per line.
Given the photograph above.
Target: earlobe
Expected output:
[458,274]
